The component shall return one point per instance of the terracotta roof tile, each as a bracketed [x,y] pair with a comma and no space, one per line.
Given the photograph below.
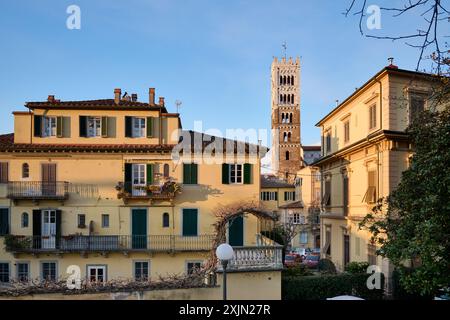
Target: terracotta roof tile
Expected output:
[95,104]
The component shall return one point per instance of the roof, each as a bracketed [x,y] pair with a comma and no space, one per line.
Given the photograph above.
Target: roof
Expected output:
[273,182]
[102,104]
[388,69]
[293,205]
[312,148]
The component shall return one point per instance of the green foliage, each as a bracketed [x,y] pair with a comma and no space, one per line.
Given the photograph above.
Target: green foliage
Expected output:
[398,290]
[413,224]
[298,271]
[328,286]
[326,266]
[357,267]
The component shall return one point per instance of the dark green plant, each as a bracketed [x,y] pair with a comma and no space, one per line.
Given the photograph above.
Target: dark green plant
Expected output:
[298,271]
[326,266]
[413,224]
[328,286]
[357,267]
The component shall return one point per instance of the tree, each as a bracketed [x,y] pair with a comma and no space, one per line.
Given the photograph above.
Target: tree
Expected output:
[413,223]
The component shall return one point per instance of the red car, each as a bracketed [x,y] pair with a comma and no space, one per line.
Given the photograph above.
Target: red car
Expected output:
[311,261]
[292,260]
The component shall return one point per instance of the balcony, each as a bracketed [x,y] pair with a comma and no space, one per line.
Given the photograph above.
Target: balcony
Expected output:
[108,243]
[152,192]
[255,258]
[37,190]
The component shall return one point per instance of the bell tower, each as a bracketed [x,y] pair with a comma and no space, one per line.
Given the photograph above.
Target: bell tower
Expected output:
[286,142]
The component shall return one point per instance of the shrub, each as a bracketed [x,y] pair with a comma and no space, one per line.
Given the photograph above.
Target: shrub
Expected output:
[326,266]
[357,267]
[298,271]
[328,286]
[399,292]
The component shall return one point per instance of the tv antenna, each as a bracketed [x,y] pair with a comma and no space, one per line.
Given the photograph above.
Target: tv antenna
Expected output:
[178,103]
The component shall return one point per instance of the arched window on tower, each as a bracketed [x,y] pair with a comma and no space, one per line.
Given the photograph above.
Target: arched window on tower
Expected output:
[289,98]
[292,99]
[289,137]
[287,155]
[290,118]
[281,80]
[292,80]
[281,99]
[285,137]
[282,118]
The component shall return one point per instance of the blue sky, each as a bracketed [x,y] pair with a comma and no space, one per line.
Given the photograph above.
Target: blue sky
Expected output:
[212,55]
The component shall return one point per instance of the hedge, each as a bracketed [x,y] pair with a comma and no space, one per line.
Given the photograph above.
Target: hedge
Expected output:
[328,286]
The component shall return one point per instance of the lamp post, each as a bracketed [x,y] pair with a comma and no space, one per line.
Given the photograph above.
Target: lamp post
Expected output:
[224,253]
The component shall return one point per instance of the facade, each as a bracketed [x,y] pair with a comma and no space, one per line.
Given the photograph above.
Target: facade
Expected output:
[311,154]
[364,151]
[286,142]
[276,193]
[97,184]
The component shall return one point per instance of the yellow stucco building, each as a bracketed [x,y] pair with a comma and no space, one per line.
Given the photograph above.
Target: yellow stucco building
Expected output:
[106,186]
[364,151]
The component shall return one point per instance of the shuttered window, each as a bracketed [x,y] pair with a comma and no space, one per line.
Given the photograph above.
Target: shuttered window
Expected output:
[326,200]
[190,173]
[346,131]
[371,193]
[4,172]
[345,195]
[190,222]
[416,106]
[372,116]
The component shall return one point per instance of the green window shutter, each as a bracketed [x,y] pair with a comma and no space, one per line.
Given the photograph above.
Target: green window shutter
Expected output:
[37,229]
[83,126]
[4,221]
[128,177]
[111,127]
[194,173]
[66,127]
[190,222]
[38,126]
[58,227]
[104,127]
[149,174]
[150,126]
[129,127]
[247,173]
[225,173]
[59,127]
[285,196]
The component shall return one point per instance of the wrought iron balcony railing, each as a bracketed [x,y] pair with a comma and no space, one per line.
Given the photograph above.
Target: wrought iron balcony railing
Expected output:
[255,258]
[38,190]
[164,191]
[108,243]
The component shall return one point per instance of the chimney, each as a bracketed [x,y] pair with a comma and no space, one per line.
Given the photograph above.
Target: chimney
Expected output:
[117,93]
[161,101]
[134,97]
[151,96]
[391,64]
[51,98]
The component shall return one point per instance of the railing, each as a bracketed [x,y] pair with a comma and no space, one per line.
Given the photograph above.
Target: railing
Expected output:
[254,258]
[165,191]
[107,243]
[36,190]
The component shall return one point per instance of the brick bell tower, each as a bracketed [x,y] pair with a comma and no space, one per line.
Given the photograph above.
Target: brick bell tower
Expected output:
[286,143]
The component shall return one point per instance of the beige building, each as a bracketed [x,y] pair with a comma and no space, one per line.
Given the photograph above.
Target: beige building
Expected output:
[102,185]
[365,149]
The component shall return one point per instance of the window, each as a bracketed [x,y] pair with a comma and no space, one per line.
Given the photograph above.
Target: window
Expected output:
[346,131]
[96,274]
[416,106]
[190,173]
[193,267]
[289,135]
[94,127]
[141,271]
[105,220]
[269,196]
[345,194]
[289,196]
[327,195]
[25,171]
[327,247]
[287,156]
[371,254]
[49,129]
[3,172]
[297,218]
[166,220]
[190,222]
[371,193]
[290,118]
[328,141]
[48,271]
[81,221]
[303,237]
[372,116]
[4,272]
[24,220]
[139,127]
[166,171]
[23,271]
[236,173]
[4,221]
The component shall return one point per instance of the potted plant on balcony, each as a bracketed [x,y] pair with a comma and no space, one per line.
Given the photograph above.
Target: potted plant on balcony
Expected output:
[13,242]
